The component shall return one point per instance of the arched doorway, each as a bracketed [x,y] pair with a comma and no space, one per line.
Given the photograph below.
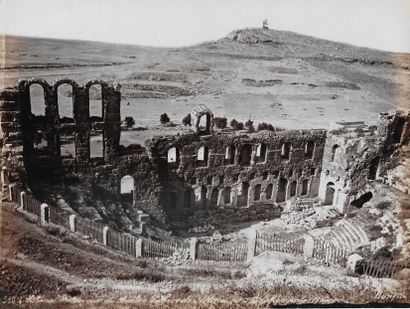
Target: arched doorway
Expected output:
[305,186]
[204,191]
[330,193]
[281,195]
[214,197]
[171,200]
[227,195]
[293,186]
[269,190]
[257,192]
[246,152]
[243,199]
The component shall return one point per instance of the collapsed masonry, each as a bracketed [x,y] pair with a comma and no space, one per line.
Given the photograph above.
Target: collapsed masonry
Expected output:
[207,176]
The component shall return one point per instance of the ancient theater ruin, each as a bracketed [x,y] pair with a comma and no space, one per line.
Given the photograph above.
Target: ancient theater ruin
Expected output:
[206,176]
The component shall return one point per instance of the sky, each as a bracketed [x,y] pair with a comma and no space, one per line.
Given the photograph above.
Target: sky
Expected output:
[380,24]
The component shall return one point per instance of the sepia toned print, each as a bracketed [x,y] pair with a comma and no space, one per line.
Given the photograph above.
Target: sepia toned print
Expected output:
[266,168]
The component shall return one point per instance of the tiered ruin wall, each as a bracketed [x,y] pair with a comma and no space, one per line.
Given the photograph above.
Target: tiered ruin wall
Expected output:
[202,177]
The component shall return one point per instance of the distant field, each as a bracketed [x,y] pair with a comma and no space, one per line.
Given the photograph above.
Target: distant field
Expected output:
[315,81]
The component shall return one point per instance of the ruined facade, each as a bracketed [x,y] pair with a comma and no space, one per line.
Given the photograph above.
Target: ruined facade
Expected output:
[207,176]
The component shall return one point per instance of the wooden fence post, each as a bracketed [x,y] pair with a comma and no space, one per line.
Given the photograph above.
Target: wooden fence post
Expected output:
[251,245]
[105,232]
[193,248]
[71,220]
[23,201]
[138,247]
[44,214]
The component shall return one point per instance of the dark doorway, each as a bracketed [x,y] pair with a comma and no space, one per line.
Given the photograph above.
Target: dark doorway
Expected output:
[281,195]
[305,185]
[214,197]
[246,153]
[187,199]
[204,191]
[293,186]
[227,195]
[269,190]
[171,200]
[330,193]
[257,192]
[243,200]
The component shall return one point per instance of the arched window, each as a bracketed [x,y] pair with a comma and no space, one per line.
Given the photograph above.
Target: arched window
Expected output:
[37,100]
[305,186]
[286,150]
[172,155]
[261,153]
[257,192]
[246,152]
[127,188]
[171,200]
[202,156]
[230,155]
[281,195]
[187,198]
[334,148]
[214,197]
[309,148]
[127,184]
[269,190]
[227,195]
[243,200]
[204,123]
[96,117]
[293,186]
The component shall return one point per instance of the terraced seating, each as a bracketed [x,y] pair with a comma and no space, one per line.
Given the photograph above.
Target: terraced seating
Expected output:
[347,234]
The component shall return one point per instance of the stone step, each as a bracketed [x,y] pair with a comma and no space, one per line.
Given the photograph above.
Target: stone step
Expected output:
[358,231]
[345,240]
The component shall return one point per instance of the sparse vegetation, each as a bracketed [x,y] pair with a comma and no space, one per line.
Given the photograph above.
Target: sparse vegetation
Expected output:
[220,122]
[129,122]
[164,119]
[236,125]
[186,121]
[265,126]
[249,126]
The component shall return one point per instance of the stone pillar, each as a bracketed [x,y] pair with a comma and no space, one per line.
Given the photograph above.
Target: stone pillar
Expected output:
[112,122]
[308,247]
[353,262]
[105,233]
[193,248]
[221,201]
[251,245]
[12,187]
[143,227]
[44,214]
[4,178]
[72,223]
[138,247]
[23,201]
[82,134]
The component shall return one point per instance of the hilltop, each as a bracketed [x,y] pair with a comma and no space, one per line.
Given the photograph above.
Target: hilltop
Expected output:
[281,77]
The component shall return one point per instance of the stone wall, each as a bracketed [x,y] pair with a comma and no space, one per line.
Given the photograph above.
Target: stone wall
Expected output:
[202,177]
[238,171]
